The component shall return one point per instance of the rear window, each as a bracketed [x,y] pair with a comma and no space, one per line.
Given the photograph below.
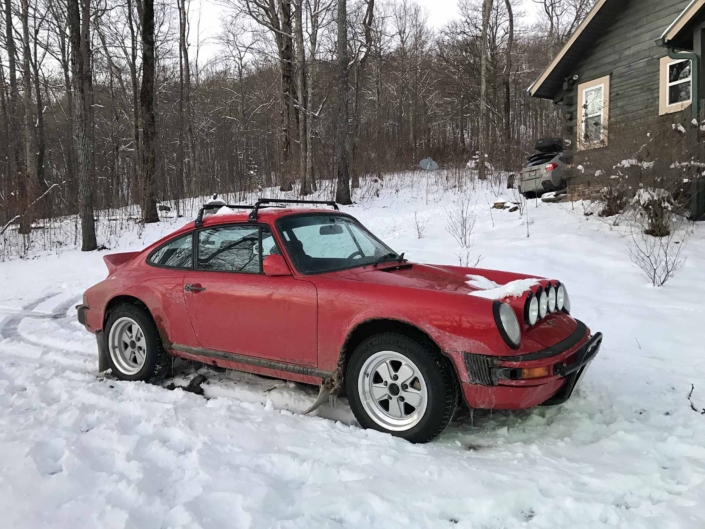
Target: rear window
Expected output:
[177,253]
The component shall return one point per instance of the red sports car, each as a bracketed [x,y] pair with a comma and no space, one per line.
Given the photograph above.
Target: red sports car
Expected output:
[310,295]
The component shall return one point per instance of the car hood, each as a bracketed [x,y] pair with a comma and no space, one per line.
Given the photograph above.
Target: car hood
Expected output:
[426,277]
[441,279]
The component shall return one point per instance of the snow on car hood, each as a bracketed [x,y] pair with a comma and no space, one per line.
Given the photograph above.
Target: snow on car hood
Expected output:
[426,277]
[491,290]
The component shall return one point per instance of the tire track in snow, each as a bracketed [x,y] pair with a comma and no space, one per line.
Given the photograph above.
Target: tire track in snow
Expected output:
[10,332]
[9,328]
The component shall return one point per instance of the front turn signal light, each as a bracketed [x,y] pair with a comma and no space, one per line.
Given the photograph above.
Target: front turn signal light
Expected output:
[534,372]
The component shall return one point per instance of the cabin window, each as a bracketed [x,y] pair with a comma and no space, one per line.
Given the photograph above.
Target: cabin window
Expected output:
[593,102]
[174,254]
[676,85]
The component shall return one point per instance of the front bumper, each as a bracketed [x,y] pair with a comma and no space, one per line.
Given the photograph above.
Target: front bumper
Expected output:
[496,383]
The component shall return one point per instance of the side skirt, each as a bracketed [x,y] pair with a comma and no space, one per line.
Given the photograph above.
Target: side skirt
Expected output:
[262,366]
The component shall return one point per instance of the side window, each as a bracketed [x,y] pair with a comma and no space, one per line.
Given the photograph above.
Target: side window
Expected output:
[175,254]
[269,245]
[229,249]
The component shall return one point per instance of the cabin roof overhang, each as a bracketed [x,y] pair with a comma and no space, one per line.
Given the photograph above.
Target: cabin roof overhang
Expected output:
[592,27]
[680,33]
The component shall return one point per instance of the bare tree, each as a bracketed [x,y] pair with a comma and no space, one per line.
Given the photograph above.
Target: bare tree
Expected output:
[302,105]
[14,146]
[486,12]
[508,75]
[79,23]
[148,167]
[342,192]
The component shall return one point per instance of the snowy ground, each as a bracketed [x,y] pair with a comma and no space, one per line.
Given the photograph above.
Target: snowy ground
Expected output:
[627,451]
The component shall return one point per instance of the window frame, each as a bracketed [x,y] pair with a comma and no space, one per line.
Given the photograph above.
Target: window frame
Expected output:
[583,89]
[665,105]
[167,243]
[280,235]
[259,225]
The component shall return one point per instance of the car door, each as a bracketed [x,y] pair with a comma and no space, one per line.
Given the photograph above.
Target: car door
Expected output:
[235,308]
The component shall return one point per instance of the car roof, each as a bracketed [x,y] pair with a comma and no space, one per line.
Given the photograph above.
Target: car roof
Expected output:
[267,215]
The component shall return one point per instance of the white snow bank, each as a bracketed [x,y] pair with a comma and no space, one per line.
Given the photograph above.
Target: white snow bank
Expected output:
[78,450]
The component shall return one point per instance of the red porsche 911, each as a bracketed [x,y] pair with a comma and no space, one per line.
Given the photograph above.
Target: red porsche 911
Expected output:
[308,294]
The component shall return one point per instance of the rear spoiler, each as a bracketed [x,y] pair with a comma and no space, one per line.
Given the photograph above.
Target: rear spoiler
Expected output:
[115,260]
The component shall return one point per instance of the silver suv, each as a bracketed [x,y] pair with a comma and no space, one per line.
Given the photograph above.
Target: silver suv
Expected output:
[545,170]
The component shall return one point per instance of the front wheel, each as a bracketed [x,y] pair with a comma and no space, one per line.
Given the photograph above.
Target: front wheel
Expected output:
[401,386]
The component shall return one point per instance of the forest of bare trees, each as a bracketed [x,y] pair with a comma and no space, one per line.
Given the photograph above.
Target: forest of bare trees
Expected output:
[106,103]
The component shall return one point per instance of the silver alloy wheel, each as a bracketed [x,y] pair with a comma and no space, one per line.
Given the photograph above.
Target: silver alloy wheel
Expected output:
[392,391]
[127,346]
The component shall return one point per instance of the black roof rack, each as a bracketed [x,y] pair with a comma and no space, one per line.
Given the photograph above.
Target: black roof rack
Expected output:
[261,203]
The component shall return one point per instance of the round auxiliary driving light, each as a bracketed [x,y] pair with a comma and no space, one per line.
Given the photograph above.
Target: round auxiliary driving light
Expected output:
[560,297]
[543,304]
[551,298]
[532,309]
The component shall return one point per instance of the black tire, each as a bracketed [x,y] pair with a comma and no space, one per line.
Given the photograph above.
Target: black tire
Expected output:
[156,363]
[441,384]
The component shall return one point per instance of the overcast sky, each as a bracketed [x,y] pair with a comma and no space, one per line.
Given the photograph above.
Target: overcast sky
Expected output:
[211,13]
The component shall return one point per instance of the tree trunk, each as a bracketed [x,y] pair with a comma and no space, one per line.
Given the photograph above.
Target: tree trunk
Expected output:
[29,185]
[149,126]
[40,132]
[137,159]
[302,96]
[79,27]
[359,80]
[486,11]
[286,57]
[342,192]
[507,80]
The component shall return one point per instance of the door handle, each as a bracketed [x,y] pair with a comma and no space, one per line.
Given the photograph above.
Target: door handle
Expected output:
[195,287]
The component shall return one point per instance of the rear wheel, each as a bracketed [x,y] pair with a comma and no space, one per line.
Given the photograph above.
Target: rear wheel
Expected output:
[134,349]
[401,386]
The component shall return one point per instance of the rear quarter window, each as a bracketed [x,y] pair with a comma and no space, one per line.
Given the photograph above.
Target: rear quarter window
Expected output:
[177,253]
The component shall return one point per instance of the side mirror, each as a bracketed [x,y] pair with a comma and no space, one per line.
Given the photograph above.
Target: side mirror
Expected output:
[275,265]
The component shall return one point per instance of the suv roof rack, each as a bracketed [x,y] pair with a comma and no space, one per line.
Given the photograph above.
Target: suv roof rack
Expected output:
[261,203]
[264,202]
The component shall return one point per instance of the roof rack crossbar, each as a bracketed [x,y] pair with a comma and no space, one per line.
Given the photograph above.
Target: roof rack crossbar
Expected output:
[208,207]
[262,202]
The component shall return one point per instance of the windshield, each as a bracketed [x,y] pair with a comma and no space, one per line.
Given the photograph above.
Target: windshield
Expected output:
[324,243]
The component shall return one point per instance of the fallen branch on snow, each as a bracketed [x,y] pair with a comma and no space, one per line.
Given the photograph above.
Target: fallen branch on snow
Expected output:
[690,395]
[18,217]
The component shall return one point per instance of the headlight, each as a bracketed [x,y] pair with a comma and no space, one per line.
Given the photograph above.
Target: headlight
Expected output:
[551,298]
[561,295]
[566,302]
[543,304]
[507,323]
[531,309]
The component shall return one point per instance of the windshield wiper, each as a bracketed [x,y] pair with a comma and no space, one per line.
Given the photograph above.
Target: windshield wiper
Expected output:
[389,257]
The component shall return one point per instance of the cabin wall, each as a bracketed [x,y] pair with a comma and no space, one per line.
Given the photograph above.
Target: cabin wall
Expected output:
[628,53]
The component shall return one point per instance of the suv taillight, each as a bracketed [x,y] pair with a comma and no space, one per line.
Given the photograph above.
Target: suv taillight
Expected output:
[551,166]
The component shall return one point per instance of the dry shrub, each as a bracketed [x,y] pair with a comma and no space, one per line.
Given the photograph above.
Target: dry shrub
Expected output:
[461,220]
[659,258]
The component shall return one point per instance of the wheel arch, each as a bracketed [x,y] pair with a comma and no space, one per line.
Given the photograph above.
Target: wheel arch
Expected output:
[122,299]
[372,327]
